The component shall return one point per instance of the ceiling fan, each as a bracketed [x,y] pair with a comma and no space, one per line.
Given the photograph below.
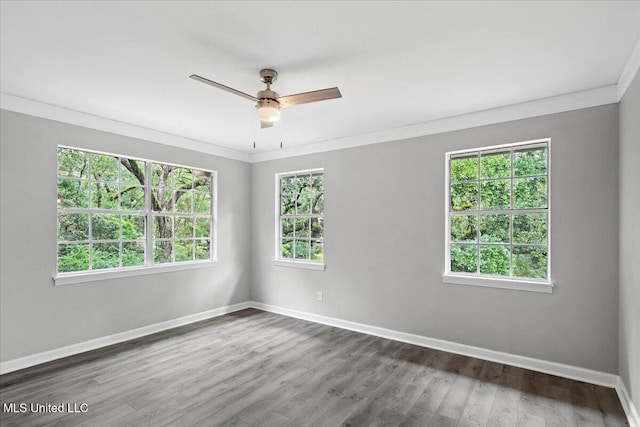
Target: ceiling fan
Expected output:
[268,102]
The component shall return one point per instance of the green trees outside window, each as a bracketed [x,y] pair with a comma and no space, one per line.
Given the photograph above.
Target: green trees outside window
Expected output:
[301,222]
[103,212]
[498,211]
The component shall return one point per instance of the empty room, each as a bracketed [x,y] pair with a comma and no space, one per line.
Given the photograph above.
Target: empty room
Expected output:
[301,213]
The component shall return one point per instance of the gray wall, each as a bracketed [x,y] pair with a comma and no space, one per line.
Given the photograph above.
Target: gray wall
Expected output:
[385,247]
[629,352]
[36,316]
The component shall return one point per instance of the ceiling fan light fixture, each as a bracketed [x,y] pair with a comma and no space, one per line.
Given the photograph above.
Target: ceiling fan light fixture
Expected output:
[268,110]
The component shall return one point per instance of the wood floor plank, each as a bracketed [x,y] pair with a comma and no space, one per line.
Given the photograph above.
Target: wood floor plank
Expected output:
[253,368]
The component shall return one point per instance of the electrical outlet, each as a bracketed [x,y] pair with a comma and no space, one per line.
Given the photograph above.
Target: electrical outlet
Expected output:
[319,296]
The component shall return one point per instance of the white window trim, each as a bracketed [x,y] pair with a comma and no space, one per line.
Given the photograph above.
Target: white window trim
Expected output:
[114,273]
[277,260]
[68,278]
[511,283]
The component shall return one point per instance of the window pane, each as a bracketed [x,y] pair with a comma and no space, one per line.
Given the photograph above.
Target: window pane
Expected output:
[317,251]
[104,168]
[317,183]
[105,255]
[132,172]
[203,250]
[530,162]
[494,260]
[464,197]
[288,204]
[530,193]
[72,226]
[73,194]
[202,181]
[303,184]
[162,251]
[73,257]
[162,227]
[184,227]
[287,227]
[303,203]
[317,228]
[104,195]
[202,203]
[132,198]
[73,163]
[287,249]
[203,227]
[464,228]
[105,227]
[464,168]
[182,178]
[302,227]
[302,249]
[530,228]
[530,262]
[132,253]
[133,227]
[495,194]
[495,165]
[288,185]
[494,228]
[317,203]
[162,176]
[184,250]
[183,201]
[464,258]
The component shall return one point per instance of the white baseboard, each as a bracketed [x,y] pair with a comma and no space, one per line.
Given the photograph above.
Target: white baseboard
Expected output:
[48,356]
[553,368]
[627,404]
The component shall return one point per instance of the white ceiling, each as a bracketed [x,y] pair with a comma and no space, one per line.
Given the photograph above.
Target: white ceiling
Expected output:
[396,63]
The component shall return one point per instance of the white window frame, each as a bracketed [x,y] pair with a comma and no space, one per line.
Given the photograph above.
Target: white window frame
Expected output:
[503,282]
[285,262]
[67,278]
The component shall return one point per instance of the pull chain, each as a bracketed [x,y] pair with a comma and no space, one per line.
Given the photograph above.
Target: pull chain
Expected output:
[281,128]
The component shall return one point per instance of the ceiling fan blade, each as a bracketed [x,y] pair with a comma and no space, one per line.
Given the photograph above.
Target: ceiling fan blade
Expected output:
[266,125]
[223,87]
[306,97]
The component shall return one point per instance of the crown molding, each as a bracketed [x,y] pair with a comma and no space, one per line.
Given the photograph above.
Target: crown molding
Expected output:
[629,71]
[52,112]
[540,107]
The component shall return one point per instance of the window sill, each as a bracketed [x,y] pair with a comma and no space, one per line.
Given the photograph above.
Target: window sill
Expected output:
[500,283]
[93,276]
[299,264]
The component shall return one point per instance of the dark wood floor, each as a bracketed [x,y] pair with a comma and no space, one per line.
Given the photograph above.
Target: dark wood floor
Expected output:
[255,368]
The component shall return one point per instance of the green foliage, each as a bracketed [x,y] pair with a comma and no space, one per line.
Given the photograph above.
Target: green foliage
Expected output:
[96,181]
[530,262]
[496,165]
[302,237]
[73,257]
[495,194]
[464,258]
[464,168]
[464,228]
[530,162]
[494,260]
[464,197]
[502,175]
[494,228]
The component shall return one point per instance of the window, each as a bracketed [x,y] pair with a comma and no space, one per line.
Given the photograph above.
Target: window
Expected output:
[300,225]
[498,214]
[117,213]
